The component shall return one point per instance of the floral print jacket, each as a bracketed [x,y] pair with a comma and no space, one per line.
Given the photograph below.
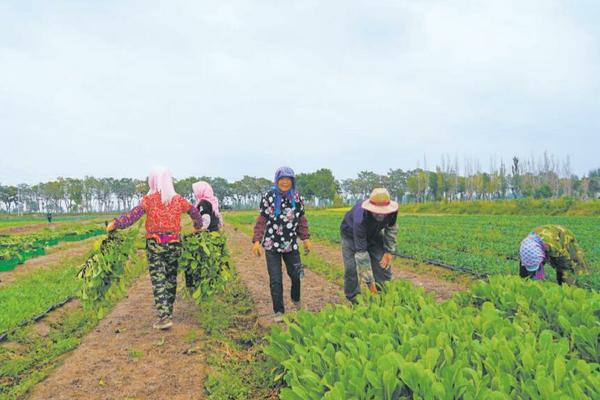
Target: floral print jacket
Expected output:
[280,233]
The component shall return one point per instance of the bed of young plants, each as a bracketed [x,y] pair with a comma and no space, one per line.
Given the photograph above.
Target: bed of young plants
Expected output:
[506,339]
[34,293]
[16,249]
[30,356]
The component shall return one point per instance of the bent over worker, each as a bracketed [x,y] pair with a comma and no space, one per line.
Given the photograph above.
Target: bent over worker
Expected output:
[556,245]
[368,234]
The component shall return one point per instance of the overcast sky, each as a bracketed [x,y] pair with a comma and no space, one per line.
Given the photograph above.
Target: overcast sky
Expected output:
[233,88]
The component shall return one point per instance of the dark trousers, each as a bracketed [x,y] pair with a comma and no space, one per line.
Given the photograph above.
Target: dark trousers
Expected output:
[351,279]
[293,266]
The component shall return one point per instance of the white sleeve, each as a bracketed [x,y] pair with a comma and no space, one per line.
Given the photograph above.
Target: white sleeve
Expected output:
[205,222]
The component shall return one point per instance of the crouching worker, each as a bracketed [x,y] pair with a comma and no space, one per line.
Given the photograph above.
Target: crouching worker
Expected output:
[368,234]
[554,244]
[280,223]
[163,208]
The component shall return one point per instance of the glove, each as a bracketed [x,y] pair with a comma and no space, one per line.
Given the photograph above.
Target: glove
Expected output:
[372,287]
[110,227]
[386,260]
[307,246]
[256,249]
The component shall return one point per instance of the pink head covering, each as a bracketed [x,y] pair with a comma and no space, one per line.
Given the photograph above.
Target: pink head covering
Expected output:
[203,191]
[160,181]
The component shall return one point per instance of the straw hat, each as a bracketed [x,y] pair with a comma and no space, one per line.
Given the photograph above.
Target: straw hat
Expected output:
[380,202]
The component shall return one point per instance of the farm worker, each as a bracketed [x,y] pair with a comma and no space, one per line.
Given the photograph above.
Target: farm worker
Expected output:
[368,234]
[163,208]
[49,217]
[208,207]
[280,222]
[554,244]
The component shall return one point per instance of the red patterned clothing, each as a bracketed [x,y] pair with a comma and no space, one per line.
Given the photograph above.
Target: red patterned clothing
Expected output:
[163,222]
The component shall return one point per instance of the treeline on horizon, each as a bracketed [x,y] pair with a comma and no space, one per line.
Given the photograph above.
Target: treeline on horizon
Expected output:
[547,179]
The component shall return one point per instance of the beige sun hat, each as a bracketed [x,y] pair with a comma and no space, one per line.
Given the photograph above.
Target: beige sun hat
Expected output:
[380,202]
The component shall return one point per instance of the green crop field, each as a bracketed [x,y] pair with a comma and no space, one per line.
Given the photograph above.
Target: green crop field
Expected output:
[485,244]
[501,338]
[506,339]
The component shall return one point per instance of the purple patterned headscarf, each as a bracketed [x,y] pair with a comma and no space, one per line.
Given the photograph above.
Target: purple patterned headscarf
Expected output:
[284,172]
[532,252]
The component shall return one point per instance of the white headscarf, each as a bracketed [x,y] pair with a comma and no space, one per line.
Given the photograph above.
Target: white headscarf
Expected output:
[160,181]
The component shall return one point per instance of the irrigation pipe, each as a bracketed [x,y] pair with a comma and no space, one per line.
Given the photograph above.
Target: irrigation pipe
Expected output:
[454,268]
[5,335]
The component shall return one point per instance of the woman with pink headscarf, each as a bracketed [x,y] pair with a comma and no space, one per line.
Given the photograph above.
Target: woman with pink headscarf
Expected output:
[163,208]
[208,206]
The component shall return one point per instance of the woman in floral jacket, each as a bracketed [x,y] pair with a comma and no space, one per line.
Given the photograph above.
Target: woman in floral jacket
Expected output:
[280,223]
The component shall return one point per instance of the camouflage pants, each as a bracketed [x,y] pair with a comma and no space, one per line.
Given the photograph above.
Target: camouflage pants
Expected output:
[163,261]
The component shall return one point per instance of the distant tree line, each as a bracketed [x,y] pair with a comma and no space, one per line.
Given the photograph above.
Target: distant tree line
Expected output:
[545,178]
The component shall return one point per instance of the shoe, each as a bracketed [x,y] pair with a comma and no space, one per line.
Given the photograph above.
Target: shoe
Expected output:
[297,305]
[163,323]
[278,317]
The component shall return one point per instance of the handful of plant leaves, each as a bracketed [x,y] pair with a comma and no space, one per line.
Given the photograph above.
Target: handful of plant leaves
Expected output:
[106,265]
[205,263]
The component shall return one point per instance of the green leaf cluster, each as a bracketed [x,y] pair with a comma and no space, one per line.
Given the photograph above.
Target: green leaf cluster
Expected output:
[105,267]
[205,257]
[488,344]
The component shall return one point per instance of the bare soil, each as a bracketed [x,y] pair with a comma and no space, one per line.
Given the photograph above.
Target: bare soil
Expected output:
[125,358]
[421,275]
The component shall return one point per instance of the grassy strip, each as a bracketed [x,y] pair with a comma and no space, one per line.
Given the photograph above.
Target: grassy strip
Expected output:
[331,272]
[239,369]
[32,355]
[35,292]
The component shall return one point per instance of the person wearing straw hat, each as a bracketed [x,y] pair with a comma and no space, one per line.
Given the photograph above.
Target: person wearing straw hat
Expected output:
[554,244]
[368,234]
[163,208]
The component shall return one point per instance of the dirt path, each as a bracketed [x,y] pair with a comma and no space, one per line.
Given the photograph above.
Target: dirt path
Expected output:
[316,291]
[125,358]
[404,269]
[423,275]
[55,255]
